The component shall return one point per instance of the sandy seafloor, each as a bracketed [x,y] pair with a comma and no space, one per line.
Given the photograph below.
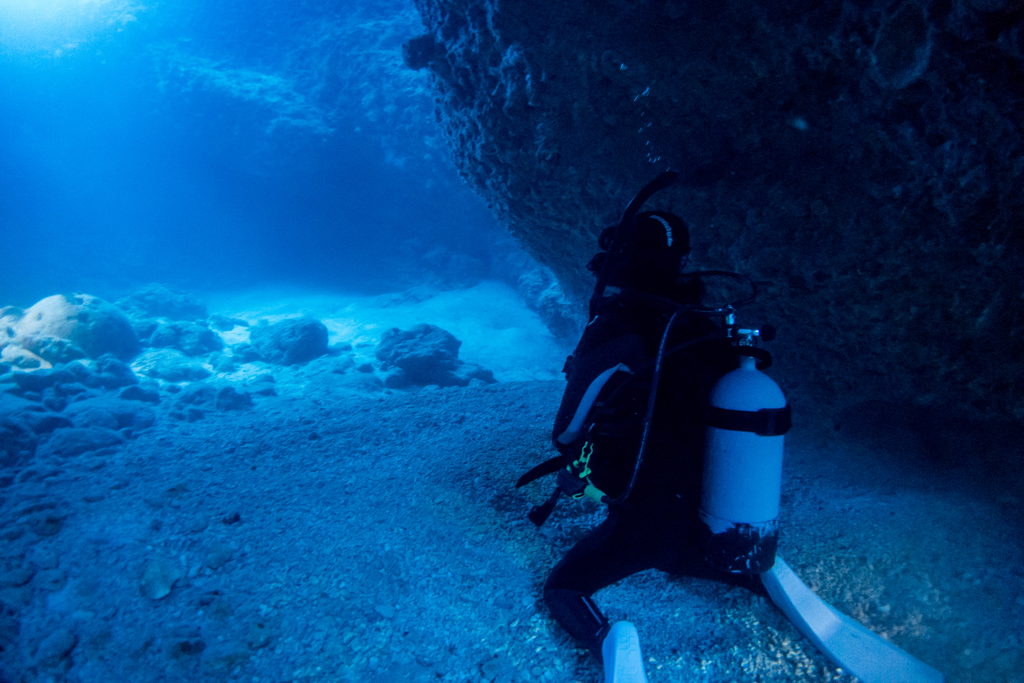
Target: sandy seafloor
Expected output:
[372,535]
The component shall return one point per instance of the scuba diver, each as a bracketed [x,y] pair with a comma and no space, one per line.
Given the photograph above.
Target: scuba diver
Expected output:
[656,526]
[667,419]
[612,385]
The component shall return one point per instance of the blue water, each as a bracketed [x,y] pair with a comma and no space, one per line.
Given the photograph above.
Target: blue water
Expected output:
[277,159]
[221,145]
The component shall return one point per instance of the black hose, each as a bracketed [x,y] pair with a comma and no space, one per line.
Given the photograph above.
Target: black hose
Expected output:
[649,417]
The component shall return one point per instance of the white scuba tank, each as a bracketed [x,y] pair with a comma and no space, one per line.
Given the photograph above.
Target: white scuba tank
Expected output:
[742,478]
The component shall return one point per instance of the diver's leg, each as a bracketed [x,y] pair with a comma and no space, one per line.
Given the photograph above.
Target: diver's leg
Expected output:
[580,616]
[608,554]
[616,647]
[584,570]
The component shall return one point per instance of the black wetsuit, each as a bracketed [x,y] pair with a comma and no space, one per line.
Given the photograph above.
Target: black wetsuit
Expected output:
[657,526]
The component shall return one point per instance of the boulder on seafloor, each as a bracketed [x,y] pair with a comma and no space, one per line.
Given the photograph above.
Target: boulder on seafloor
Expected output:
[244,353]
[17,441]
[158,578]
[289,342]
[223,363]
[66,443]
[423,355]
[137,393]
[90,323]
[40,380]
[53,349]
[198,398]
[144,328]
[55,647]
[111,413]
[9,317]
[229,398]
[113,373]
[45,421]
[192,339]
[224,323]
[262,385]
[157,301]
[108,372]
[169,365]
[22,358]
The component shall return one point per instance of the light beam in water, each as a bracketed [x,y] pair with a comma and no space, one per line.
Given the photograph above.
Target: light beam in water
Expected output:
[57,26]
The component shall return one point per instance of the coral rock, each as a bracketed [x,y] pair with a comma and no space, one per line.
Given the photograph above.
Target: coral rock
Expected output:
[88,322]
[290,341]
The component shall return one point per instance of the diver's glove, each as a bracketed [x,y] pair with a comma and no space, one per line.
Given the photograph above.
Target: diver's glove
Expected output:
[623,662]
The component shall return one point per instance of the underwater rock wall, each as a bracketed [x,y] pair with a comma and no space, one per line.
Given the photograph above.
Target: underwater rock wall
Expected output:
[272,92]
[861,160]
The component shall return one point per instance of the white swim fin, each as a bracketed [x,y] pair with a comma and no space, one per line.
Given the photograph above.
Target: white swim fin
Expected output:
[623,662]
[848,644]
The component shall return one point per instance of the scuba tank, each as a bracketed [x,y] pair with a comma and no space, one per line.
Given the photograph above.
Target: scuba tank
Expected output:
[742,482]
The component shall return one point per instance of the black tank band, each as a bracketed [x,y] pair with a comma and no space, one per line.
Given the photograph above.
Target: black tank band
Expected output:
[764,422]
